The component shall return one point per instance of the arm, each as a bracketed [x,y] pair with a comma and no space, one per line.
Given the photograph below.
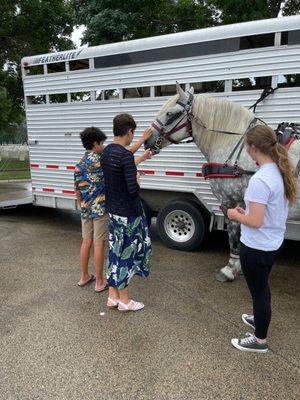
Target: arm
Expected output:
[78,197]
[141,141]
[130,174]
[255,217]
[143,157]
[76,188]
[257,194]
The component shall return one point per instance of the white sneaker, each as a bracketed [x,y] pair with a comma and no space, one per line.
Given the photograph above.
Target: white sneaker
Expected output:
[248,320]
[249,343]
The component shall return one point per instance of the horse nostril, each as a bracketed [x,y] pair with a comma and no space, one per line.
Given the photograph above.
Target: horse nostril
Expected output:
[146,146]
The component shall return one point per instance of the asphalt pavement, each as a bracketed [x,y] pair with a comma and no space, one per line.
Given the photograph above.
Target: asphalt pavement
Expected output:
[59,341]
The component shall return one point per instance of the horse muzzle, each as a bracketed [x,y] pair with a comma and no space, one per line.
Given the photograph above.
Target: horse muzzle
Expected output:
[154,142]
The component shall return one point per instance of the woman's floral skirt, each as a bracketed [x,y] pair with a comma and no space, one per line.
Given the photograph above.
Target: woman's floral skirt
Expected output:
[129,250]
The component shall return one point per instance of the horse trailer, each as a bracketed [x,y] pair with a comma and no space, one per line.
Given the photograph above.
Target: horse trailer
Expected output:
[68,91]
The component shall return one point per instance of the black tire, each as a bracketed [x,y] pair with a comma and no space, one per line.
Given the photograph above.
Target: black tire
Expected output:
[188,228]
[148,212]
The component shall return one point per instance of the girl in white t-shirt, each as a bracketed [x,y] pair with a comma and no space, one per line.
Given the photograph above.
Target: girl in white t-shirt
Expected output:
[269,192]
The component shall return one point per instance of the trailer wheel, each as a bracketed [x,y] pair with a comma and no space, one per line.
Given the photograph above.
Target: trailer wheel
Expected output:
[181,226]
[148,212]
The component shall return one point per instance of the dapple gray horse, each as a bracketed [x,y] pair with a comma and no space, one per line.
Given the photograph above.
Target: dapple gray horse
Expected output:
[207,119]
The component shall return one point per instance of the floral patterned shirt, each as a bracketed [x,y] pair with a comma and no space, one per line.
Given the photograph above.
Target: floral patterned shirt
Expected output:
[89,181]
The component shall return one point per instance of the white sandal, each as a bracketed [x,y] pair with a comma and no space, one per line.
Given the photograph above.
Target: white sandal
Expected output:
[112,303]
[131,306]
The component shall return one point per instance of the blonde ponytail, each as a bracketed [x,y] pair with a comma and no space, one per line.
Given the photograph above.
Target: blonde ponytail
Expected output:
[264,138]
[280,156]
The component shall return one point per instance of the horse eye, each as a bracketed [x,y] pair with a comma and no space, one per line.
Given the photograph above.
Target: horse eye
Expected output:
[169,113]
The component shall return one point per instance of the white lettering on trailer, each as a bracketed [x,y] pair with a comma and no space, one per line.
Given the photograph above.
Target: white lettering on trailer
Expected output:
[56,57]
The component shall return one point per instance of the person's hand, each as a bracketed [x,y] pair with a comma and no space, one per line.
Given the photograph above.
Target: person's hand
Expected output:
[232,213]
[146,155]
[147,134]
[240,210]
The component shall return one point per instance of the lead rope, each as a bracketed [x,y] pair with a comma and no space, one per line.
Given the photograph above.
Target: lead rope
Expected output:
[265,93]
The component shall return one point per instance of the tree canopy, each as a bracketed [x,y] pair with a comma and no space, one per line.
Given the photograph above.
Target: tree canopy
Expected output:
[27,27]
[110,21]
[233,11]
[30,27]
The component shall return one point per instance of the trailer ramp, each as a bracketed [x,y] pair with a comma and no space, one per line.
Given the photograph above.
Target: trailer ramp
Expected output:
[15,193]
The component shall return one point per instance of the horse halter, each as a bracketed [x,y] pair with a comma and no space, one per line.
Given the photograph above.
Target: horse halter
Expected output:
[161,128]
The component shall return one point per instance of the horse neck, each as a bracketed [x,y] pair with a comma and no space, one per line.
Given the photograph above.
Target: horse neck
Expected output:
[220,115]
[215,146]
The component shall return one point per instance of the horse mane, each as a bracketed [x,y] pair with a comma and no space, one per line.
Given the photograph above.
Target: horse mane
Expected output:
[218,114]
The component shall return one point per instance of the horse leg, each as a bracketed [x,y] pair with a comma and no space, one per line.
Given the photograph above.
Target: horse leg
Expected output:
[233,268]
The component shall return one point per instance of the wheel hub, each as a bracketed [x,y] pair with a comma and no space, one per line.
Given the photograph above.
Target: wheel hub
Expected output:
[179,225]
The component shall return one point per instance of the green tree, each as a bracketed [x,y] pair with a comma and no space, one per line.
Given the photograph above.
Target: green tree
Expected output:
[28,27]
[11,106]
[5,107]
[110,21]
[232,11]
[291,7]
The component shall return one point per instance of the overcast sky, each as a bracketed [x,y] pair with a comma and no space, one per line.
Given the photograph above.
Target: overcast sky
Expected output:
[77,34]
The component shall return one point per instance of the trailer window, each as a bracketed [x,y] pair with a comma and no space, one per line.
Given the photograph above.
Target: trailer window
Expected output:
[79,64]
[206,87]
[34,70]
[292,80]
[256,41]
[108,94]
[168,53]
[130,93]
[166,90]
[294,37]
[80,96]
[56,67]
[58,98]
[290,38]
[284,38]
[41,99]
[259,82]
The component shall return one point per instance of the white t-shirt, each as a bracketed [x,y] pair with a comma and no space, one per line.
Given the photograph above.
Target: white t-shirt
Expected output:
[266,187]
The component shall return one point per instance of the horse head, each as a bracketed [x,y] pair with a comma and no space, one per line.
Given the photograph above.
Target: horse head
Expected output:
[173,122]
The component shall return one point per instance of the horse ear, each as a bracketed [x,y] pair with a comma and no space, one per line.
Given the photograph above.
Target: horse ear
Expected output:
[191,90]
[179,90]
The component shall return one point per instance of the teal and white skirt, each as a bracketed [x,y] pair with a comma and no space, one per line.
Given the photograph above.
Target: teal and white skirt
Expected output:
[129,250]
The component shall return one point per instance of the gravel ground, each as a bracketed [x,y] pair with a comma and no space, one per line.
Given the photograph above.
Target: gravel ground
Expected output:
[56,345]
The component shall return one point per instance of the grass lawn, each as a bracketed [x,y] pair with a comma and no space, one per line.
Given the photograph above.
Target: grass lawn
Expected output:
[14,169]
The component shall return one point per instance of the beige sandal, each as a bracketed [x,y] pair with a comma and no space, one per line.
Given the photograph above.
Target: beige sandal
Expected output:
[131,306]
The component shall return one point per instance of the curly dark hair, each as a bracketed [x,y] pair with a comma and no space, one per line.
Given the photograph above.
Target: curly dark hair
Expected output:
[91,135]
[121,124]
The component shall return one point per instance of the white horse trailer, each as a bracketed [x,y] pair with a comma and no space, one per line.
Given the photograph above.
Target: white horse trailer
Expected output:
[68,91]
